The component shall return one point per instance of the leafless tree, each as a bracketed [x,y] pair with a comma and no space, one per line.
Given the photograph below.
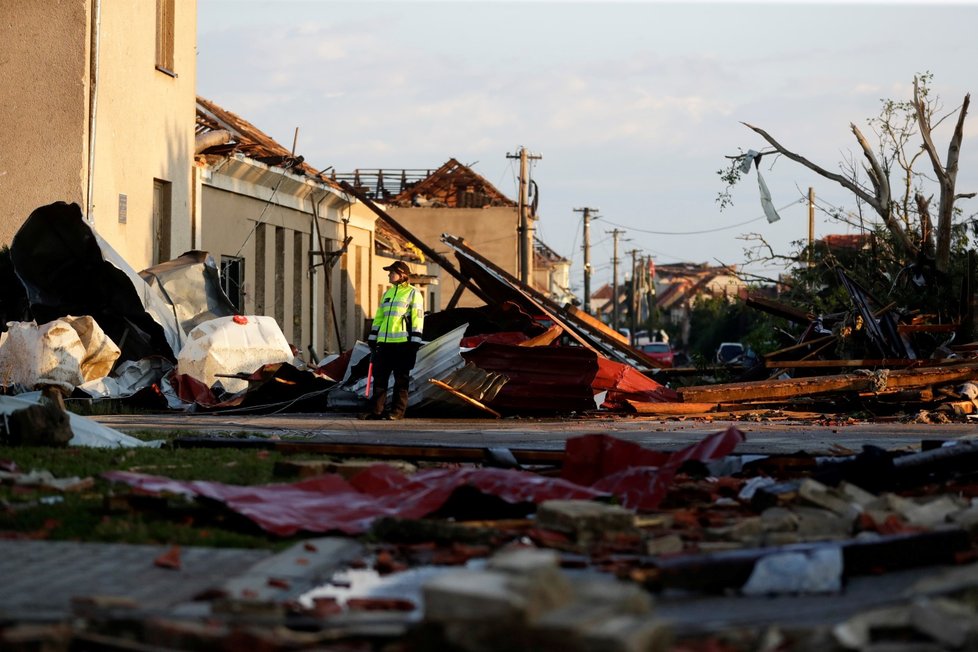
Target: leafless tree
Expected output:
[897,127]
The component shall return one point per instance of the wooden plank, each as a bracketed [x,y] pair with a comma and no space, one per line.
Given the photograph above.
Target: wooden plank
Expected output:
[800,345]
[778,309]
[798,387]
[644,407]
[882,363]
[595,324]
[926,328]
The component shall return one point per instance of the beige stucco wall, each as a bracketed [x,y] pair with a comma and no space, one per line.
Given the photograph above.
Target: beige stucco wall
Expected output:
[235,215]
[43,107]
[144,118]
[489,231]
[144,128]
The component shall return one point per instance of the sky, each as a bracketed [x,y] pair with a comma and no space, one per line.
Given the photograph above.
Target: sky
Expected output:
[632,107]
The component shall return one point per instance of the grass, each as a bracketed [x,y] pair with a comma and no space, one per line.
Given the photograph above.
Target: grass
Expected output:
[108,512]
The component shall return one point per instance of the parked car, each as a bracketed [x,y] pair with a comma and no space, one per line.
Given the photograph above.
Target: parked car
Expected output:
[661,352]
[730,353]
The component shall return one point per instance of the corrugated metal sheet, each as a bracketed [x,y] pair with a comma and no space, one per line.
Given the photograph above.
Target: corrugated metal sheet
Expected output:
[476,383]
[436,359]
[542,380]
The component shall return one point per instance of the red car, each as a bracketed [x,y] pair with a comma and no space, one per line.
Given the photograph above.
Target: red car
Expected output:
[661,352]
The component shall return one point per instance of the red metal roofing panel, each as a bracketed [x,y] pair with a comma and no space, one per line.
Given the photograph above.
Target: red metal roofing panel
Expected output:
[542,379]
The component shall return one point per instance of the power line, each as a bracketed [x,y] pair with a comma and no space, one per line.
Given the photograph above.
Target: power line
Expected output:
[722,228]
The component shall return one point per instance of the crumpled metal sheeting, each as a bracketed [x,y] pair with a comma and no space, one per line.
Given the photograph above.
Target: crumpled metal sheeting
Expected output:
[612,467]
[638,476]
[67,269]
[542,380]
[475,382]
[623,383]
[191,284]
[329,502]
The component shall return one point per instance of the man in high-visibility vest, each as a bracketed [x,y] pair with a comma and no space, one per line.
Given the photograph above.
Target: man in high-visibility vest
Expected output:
[395,337]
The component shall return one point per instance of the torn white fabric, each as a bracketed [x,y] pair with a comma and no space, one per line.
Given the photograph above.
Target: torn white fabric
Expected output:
[63,352]
[766,204]
[746,160]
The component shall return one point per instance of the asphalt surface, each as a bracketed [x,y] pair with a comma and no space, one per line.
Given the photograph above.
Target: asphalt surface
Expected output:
[771,436]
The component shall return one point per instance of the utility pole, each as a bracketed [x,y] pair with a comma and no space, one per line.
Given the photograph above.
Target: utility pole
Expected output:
[614,280]
[649,291]
[525,231]
[633,296]
[811,226]
[587,254]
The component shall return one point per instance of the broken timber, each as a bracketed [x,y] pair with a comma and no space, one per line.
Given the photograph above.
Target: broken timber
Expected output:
[799,387]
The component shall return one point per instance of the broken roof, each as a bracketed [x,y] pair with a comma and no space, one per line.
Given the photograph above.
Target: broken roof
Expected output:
[545,254]
[453,185]
[249,140]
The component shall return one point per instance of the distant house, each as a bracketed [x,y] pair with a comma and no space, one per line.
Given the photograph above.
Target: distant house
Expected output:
[680,286]
[677,289]
[97,110]
[291,244]
[551,273]
[454,199]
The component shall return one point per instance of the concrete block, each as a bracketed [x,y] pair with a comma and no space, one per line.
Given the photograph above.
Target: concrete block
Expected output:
[563,628]
[827,498]
[472,595]
[816,524]
[623,597]
[667,545]
[586,521]
[856,495]
[524,561]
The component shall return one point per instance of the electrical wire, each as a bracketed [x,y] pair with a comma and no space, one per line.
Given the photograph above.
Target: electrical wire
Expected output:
[722,228]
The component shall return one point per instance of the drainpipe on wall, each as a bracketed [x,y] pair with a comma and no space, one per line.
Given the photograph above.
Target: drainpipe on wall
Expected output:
[93,106]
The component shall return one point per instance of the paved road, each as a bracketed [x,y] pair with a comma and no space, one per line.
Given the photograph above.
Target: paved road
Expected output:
[763,437]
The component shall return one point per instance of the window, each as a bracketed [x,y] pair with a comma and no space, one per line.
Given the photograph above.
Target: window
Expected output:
[164,36]
[232,280]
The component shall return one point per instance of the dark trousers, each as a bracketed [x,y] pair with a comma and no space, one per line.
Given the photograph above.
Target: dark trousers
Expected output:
[397,359]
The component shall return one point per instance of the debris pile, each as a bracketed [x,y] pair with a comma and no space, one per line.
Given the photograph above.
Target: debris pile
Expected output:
[630,548]
[168,338]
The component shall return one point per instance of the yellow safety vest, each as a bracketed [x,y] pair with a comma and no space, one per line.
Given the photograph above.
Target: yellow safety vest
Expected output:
[400,317]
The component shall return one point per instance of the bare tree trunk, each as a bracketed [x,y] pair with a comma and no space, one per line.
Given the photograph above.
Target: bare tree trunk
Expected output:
[880,200]
[946,174]
[926,226]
